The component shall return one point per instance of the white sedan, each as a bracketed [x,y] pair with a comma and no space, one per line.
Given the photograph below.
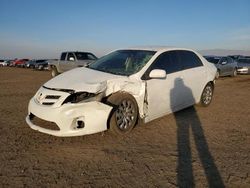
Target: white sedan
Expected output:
[122,88]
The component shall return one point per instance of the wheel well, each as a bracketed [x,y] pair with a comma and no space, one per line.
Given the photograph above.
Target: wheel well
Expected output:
[212,83]
[52,66]
[105,100]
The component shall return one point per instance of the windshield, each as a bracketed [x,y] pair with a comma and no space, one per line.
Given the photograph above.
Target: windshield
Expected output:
[213,60]
[123,62]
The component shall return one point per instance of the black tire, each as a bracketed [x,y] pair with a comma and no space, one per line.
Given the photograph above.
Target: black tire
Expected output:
[207,95]
[54,71]
[234,72]
[123,117]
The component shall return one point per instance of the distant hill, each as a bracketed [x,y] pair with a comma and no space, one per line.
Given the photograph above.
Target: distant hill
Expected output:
[223,52]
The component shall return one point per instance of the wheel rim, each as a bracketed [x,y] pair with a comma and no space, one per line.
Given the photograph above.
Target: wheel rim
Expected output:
[235,73]
[125,115]
[207,95]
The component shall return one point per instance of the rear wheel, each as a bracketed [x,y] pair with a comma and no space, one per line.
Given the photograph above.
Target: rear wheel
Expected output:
[207,95]
[54,72]
[124,114]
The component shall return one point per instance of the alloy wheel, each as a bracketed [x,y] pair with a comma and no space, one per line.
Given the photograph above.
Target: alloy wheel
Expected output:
[125,115]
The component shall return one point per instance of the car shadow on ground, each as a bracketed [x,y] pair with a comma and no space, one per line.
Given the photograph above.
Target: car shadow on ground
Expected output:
[189,125]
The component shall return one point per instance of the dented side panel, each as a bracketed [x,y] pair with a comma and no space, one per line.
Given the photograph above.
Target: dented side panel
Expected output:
[134,87]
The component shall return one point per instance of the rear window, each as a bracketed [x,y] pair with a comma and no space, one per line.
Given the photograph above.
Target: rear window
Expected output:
[213,60]
[85,56]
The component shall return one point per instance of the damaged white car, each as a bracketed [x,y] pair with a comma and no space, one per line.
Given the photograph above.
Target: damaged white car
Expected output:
[121,89]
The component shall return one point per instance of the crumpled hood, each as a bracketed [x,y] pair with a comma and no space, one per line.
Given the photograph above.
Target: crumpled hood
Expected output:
[82,79]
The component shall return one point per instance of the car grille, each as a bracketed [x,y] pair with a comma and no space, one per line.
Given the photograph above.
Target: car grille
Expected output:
[52,96]
[47,100]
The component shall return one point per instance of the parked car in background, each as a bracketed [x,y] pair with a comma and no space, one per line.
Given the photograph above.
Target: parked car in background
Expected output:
[20,62]
[41,65]
[32,63]
[243,65]
[70,60]
[3,63]
[12,62]
[226,66]
[121,88]
[9,62]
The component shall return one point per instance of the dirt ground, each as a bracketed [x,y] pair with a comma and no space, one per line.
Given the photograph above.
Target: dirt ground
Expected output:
[202,147]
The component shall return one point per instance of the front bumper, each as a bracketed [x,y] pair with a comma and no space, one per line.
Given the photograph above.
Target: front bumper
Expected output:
[93,114]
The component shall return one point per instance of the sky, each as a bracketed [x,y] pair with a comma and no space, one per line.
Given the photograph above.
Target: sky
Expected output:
[45,28]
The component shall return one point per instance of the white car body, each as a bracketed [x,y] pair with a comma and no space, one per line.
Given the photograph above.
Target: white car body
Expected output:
[152,100]
[243,70]
[3,63]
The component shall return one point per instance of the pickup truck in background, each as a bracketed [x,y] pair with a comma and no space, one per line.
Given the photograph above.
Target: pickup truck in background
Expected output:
[70,60]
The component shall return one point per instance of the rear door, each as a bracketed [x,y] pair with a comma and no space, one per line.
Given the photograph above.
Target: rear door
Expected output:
[194,76]
[231,65]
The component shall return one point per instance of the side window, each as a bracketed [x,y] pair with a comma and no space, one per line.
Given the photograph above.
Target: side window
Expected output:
[63,56]
[223,59]
[189,59]
[229,60]
[168,62]
[70,56]
[91,57]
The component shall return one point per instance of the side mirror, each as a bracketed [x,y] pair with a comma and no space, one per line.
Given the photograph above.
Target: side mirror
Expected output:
[224,63]
[157,74]
[72,59]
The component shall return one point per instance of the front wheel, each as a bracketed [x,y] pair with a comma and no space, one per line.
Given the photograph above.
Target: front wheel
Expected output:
[234,73]
[207,95]
[54,72]
[124,114]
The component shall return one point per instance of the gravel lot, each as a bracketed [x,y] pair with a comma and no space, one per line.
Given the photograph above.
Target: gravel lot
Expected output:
[196,146]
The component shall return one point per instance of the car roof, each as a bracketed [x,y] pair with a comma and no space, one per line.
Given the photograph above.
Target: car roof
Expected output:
[213,56]
[156,48]
[77,52]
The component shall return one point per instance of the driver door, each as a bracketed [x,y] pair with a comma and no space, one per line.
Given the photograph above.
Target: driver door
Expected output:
[164,95]
[69,63]
[223,66]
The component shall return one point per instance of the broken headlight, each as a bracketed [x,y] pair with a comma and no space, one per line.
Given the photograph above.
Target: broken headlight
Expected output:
[83,97]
